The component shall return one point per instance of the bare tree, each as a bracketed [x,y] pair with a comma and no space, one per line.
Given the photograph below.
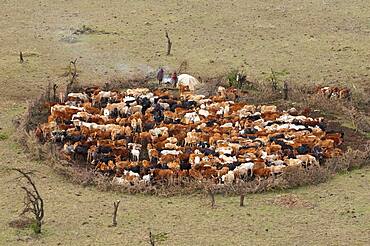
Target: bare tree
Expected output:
[33,202]
[73,75]
[55,86]
[211,190]
[211,193]
[169,44]
[74,72]
[244,187]
[273,79]
[240,188]
[242,196]
[183,67]
[21,57]
[115,204]
[151,239]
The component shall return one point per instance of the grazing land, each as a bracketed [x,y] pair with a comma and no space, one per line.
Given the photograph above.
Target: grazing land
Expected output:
[315,41]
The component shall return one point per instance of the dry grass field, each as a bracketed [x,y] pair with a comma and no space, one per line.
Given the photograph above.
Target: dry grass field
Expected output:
[317,41]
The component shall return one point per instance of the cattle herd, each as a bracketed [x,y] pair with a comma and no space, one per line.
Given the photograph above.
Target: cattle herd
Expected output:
[138,135]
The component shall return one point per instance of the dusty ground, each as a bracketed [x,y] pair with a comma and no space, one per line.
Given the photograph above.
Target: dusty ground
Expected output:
[316,41]
[336,213]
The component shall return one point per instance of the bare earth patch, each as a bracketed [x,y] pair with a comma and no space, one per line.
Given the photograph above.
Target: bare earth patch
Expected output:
[291,201]
[21,222]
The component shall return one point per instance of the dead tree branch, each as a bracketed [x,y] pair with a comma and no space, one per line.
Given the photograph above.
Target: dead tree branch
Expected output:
[21,57]
[240,188]
[211,190]
[73,75]
[33,201]
[212,195]
[74,72]
[183,67]
[243,187]
[115,204]
[169,44]
[151,239]
[55,86]
[242,200]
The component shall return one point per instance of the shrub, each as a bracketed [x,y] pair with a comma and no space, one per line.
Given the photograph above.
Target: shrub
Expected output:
[275,77]
[350,160]
[3,136]
[294,177]
[231,78]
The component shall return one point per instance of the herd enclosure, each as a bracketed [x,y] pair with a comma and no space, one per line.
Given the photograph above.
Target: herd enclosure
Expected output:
[315,41]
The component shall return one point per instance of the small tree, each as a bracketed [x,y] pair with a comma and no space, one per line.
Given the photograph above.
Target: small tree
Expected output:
[55,86]
[33,203]
[231,77]
[115,204]
[151,239]
[237,79]
[72,73]
[211,194]
[183,67]
[210,188]
[274,80]
[275,77]
[242,187]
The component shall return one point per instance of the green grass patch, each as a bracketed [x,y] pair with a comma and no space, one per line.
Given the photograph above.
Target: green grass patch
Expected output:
[349,125]
[160,237]
[3,136]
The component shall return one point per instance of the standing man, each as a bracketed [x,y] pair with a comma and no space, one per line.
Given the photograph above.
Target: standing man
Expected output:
[160,75]
[174,79]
